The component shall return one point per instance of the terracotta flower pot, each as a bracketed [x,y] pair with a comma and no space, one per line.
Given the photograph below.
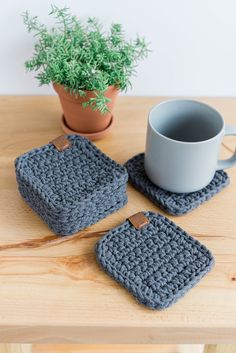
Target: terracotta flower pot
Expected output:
[85,121]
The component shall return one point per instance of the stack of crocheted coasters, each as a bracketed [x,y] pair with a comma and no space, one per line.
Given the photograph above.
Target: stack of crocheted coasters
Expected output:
[157,261]
[172,203]
[70,183]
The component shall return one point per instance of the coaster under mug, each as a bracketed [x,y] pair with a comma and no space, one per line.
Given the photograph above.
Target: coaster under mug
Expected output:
[173,203]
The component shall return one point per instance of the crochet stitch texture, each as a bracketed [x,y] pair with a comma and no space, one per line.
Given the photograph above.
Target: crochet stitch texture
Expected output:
[172,203]
[158,263]
[71,189]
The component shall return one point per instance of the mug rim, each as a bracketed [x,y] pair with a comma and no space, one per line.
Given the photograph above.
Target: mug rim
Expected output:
[185,100]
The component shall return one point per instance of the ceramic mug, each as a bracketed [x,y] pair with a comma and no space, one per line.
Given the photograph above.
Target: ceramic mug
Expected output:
[183,143]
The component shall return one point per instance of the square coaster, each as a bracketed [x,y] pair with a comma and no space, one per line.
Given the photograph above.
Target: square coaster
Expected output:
[158,263]
[172,203]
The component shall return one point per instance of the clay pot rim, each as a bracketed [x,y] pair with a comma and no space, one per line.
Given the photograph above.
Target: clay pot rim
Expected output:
[89,135]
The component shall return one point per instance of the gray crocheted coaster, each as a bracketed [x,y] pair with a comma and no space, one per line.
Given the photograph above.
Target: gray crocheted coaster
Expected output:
[71,184]
[157,263]
[172,203]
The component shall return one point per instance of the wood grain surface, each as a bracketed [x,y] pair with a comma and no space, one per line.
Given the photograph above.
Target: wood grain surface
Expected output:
[225,348]
[101,348]
[51,289]
[117,348]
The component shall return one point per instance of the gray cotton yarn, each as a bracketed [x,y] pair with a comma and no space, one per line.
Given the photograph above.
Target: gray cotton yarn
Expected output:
[158,263]
[172,203]
[71,189]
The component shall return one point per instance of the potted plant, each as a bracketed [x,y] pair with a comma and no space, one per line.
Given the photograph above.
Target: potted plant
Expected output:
[87,67]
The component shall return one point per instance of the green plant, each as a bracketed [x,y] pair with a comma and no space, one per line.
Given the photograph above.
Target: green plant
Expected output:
[82,56]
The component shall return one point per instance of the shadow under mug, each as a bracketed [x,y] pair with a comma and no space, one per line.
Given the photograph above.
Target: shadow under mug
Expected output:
[183,144]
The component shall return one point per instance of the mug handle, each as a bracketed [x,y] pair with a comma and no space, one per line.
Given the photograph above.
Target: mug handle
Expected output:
[230,162]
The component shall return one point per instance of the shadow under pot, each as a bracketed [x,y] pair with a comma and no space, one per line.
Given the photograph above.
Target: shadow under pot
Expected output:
[85,121]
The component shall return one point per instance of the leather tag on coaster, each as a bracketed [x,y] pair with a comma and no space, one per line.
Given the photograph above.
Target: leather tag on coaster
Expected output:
[138,220]
[61,143]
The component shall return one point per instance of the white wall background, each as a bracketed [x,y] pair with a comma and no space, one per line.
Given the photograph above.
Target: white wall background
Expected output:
[193,43]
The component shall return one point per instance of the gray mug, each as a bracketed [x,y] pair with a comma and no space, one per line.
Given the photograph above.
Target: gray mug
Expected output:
[183,144]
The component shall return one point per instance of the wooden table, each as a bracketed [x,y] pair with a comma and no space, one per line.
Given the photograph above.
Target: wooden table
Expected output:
[52,289]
